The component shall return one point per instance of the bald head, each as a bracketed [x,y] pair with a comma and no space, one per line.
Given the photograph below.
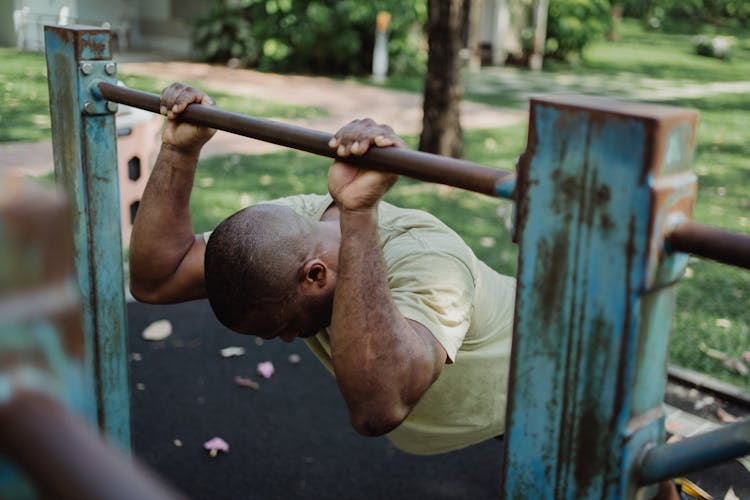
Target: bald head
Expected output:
[254,259]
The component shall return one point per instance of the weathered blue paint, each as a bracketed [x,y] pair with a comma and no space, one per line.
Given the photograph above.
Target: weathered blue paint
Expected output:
[86,166]
[89,96]
[592,319]
[505,188]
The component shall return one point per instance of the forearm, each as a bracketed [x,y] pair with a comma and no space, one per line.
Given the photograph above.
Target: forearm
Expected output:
[163,231]
[373,345]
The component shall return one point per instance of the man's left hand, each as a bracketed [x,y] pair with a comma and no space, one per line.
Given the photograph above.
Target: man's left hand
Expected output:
[354,188]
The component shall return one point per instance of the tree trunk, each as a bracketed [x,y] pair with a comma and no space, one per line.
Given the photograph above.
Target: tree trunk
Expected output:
[441,128]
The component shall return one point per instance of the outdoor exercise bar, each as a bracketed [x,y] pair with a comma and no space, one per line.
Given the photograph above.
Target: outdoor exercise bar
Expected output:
[599,183]
[418,165]
[689,237]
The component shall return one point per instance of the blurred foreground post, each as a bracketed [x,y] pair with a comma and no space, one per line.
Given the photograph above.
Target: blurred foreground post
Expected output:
[51,450]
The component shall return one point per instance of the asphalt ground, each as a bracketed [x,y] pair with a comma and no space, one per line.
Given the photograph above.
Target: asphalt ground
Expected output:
[290,438]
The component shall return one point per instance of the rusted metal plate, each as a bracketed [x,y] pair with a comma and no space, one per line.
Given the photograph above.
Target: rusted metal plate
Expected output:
[594,304]
[85,158]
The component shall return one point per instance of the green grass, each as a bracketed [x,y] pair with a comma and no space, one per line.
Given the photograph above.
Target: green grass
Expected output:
[24,98]
[24,109]
[641,60]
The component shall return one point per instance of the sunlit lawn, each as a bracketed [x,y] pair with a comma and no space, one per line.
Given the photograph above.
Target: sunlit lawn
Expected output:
[713,302]
[24,103]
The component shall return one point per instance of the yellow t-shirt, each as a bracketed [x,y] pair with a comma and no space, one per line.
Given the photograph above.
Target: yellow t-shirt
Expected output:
[436,280]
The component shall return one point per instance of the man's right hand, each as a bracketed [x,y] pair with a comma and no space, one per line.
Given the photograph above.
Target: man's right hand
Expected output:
[178,134]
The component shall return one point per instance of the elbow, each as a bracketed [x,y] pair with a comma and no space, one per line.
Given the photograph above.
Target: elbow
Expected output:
[147,294]
[377,422]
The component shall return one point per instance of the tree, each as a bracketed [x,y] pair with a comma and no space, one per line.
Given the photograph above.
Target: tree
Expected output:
[441,128]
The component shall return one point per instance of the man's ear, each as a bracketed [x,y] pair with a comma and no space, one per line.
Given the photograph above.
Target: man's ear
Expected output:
[315,273]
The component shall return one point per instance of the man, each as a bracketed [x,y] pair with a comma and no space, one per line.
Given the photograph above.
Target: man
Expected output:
[414,327]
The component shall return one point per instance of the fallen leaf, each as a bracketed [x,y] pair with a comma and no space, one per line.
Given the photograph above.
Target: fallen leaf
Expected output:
[134,356]
[736,366]
[177,443]
[215,445]
[723,323]
[246,382]
[258,341]
[712,353]
[229,352]
[692,489]
[265,369]
[724,416]
[294,358]
[730,494]
[140,386]
[703,402]
[158,330]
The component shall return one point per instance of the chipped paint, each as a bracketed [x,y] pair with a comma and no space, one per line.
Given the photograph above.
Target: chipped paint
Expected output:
[85,158]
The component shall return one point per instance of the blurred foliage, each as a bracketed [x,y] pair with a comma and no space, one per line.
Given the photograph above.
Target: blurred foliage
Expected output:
[311,36]
[676,14]
[573,24]
[24,108]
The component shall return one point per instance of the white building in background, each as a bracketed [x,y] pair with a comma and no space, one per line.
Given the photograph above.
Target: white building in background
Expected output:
[156,25]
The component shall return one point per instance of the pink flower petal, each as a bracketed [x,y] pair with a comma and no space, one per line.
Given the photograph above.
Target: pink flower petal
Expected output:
[265,369]
[246,382]
[216,444]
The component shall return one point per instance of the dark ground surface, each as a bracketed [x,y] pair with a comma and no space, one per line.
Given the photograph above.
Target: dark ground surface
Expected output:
[291,438]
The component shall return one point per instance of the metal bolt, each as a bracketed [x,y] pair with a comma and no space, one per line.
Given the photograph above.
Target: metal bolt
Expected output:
[110,68]
[89,107]
[87,68]
[112,106]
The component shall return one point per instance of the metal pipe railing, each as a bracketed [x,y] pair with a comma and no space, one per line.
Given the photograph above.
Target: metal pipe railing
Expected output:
[66,459]
[415,164]
[690,237]
[695,453]
[710,242]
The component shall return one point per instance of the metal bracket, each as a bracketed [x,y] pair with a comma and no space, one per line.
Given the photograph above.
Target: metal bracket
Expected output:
[91,72]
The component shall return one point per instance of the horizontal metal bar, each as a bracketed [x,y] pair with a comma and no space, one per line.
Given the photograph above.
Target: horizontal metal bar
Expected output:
[710,242]
[415,164]
[66,459]
[694,453]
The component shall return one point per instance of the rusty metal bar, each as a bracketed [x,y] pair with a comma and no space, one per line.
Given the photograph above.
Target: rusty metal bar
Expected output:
[695,453]
[418,165]
[710,242]
[66,459]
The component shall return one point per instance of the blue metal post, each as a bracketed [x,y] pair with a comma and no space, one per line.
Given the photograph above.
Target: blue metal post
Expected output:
[85,154]
[599,185]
